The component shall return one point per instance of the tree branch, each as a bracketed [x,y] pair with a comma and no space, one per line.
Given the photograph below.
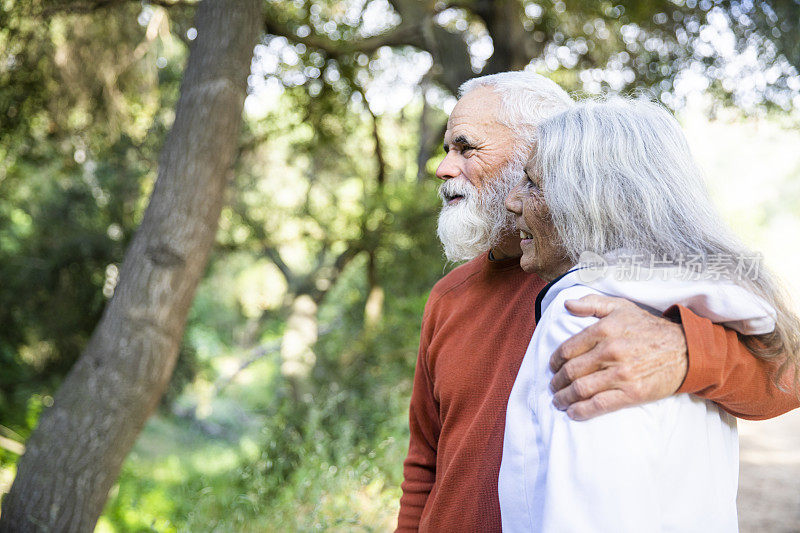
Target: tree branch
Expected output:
[252,143]
[258,353]
[82,8]
[11,445]
[406,33]
[275,256]
[173,3]
[376,136]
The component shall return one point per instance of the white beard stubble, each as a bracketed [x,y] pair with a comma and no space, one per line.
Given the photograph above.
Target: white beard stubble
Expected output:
[479,221]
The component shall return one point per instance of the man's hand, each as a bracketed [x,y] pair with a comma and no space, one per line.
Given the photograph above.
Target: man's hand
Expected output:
[629,357]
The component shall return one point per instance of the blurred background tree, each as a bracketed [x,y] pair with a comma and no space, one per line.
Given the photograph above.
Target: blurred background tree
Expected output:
[294,375]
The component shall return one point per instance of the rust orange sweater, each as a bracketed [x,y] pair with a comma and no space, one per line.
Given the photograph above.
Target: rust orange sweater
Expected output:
[475,330]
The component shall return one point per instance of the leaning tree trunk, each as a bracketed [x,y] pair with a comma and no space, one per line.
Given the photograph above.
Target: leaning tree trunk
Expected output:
[76,452]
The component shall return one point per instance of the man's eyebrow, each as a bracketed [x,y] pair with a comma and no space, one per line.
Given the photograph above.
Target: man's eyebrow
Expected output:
[462,140]
[459,140]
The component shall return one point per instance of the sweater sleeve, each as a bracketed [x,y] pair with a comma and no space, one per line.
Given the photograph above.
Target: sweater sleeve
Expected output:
[419,468]
[723,370]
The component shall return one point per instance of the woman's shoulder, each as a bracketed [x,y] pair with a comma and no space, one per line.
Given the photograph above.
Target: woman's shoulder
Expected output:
[554,315]
[720,301]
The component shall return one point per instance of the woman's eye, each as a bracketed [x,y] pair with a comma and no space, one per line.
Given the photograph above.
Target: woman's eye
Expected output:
[529,183]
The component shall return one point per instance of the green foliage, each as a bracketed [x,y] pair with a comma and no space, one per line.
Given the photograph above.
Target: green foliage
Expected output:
[586,46]
[84,115]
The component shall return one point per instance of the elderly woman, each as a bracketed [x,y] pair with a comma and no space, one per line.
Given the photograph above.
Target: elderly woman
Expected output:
[617,179]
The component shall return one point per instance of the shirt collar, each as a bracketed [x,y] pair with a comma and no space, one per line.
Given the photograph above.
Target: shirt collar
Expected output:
[543,292]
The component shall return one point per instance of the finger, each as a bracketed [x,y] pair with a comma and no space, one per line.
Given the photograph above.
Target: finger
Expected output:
[575,369]
[594,305]
[599,404]
[575,346]
[584,389]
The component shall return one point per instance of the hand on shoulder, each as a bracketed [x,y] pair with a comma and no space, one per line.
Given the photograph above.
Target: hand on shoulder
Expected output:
[629,357]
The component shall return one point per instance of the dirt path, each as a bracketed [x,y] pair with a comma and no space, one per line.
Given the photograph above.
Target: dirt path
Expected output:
[769,478]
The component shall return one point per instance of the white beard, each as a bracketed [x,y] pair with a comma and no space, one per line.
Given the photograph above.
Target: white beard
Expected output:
[478,222]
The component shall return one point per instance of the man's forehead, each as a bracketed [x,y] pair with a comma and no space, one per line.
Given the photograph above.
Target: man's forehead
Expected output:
[472,120]
[480,105]
[476,112]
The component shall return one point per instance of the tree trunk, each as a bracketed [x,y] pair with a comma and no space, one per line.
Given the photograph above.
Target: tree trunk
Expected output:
[75,454]
[513,45]
[297,345]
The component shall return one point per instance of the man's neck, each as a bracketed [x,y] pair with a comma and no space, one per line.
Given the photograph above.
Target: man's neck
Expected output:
[506,249]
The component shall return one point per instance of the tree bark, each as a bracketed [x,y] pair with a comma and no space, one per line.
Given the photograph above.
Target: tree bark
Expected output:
[75,454]
[513,45]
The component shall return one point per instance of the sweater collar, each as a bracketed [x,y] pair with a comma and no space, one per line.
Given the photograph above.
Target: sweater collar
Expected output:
[492,264]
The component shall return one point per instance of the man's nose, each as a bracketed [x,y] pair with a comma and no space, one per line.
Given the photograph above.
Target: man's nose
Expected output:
[513,203]
[448,168]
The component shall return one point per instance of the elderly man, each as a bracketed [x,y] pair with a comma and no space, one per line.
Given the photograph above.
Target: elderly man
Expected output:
[480,317]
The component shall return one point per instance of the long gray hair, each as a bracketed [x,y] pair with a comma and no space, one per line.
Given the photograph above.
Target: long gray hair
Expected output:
[618,174]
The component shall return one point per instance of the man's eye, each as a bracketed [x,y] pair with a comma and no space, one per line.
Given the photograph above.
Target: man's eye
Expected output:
[466,149]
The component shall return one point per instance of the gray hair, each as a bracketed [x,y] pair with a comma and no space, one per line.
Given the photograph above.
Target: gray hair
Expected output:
[619,175]
[526,98]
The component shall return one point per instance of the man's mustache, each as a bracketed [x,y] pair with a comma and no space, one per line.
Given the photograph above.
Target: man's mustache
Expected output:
[455,187]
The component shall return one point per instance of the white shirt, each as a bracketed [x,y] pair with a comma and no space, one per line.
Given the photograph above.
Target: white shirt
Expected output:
[667,466]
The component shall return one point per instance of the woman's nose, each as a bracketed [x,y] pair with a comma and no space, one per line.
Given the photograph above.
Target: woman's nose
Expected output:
[513,203]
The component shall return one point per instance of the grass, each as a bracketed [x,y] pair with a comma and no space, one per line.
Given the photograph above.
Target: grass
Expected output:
[255,476]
